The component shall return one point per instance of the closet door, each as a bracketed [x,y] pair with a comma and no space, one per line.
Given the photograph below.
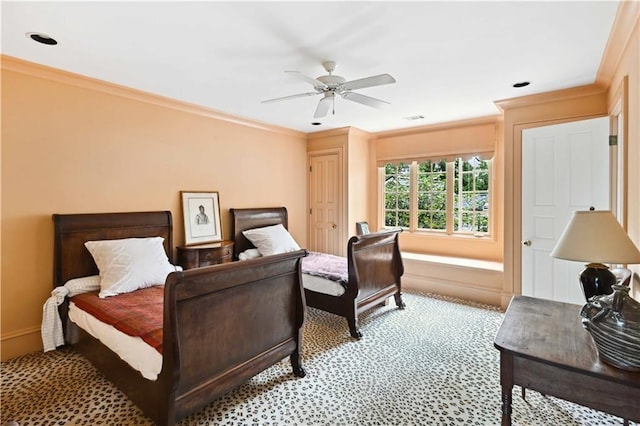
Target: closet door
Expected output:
[325,202]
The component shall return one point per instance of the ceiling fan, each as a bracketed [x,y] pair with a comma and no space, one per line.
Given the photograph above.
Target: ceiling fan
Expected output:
[332,85]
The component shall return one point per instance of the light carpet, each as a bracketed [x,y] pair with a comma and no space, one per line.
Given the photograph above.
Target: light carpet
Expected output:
[433,363]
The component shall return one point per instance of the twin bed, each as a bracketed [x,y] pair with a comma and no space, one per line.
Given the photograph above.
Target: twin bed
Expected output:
[217,326]
[221,325]
[374,267]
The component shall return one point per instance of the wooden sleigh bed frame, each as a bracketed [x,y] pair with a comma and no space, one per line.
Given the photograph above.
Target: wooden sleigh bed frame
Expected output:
[222,324]
[374,265]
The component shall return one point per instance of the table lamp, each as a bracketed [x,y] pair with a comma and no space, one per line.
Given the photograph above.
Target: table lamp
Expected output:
[596,237]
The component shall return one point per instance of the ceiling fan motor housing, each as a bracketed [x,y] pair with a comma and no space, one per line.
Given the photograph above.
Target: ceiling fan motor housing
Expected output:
[332,80]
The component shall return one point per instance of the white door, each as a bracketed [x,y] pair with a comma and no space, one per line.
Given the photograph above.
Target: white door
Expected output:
[565,167]
[325,226]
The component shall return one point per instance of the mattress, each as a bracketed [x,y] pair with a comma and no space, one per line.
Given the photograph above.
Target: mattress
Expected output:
[322,285]
[141,356]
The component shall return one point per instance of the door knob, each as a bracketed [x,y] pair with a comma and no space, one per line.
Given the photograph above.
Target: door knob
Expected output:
[526,243]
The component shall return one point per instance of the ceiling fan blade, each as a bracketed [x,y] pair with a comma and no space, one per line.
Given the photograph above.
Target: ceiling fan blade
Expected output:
[323,107]
[364,100]
[376,80]
[316,83]
[284,98]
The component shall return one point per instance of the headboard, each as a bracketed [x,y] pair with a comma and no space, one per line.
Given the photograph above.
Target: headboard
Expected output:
[244,219]
[71,259]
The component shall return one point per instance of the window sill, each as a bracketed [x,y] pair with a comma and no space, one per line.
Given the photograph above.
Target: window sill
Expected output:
[454,261]
[442,234]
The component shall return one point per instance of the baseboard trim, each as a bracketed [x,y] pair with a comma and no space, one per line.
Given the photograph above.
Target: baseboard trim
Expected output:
[460,290]
[20,343]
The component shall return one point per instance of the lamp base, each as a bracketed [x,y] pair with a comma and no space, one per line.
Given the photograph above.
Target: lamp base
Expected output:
[596,280]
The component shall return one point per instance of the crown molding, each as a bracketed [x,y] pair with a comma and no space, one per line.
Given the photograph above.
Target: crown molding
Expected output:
[439,126]
[328,133]
[627,21]
[354,131]
[33,69]
[554,96]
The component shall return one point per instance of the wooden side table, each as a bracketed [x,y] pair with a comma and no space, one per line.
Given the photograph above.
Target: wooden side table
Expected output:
[190,257]
[544,347]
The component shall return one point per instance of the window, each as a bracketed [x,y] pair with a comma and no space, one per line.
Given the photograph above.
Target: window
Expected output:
[432,195]
[471,196]
[396,195]
[445,196]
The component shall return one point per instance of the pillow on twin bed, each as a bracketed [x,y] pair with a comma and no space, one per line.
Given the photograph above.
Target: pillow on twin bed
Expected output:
[249,254]
[270,240]
[130,264]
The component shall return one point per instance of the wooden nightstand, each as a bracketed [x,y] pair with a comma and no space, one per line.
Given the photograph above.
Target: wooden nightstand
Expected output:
[556,357]
[190,257]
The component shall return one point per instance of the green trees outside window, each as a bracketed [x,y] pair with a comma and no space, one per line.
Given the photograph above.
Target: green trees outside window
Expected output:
[396,195]
[471,196]
[432,195]
[438,195]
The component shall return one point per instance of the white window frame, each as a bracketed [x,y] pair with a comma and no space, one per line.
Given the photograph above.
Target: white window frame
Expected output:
[449,208]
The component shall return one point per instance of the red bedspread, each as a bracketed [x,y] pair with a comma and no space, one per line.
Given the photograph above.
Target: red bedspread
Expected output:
[138,313]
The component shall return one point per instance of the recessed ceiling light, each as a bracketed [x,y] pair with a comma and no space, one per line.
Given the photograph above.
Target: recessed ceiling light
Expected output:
[315,123]
[414,117]
[521,84]
[42,38]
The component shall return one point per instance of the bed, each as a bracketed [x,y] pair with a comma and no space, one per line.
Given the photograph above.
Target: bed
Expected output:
[221,324]
[374,267]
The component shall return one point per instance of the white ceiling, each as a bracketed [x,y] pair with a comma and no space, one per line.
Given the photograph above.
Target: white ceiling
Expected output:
[451,60]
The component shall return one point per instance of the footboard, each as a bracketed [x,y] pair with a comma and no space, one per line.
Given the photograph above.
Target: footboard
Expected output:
[226,323]
[375,267]
[375,270]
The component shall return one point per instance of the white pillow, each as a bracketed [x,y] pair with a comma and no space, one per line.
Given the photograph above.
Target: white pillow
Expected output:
[129,264]
[249,254]
[271,240]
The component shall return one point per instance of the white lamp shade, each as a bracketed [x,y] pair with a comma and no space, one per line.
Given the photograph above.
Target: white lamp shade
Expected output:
[596,237]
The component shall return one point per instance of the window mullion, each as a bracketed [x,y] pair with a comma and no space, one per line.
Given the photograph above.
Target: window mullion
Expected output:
[460,194]
[490,189]
[413,196]
[474,193]
[449,212]
[381,196]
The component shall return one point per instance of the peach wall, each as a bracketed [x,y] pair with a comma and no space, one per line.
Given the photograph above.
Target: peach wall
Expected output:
[327,139]
[447,140]
[72,145]
[359,180]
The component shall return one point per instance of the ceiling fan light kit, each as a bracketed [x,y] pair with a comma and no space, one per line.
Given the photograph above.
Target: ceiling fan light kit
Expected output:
[331,85]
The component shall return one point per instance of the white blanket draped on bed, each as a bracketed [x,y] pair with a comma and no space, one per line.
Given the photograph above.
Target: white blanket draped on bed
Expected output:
[51,329]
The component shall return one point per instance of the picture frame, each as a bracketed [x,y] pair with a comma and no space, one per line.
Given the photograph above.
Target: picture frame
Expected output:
[201,213]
